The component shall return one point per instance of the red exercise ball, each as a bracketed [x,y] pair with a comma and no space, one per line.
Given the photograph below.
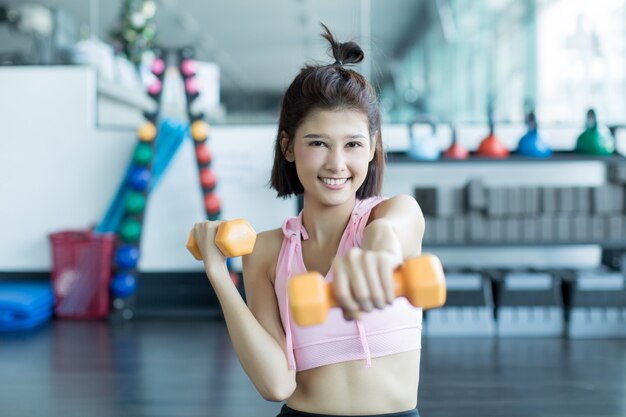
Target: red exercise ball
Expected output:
[207,178]
[203,154]
[212,203]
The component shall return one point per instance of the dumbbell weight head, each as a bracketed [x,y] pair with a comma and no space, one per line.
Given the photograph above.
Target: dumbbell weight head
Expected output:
[311,298]
[429,289]
[233,238]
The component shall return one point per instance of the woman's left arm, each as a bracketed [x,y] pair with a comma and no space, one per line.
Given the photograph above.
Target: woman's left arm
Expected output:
[363,278]
[395,225]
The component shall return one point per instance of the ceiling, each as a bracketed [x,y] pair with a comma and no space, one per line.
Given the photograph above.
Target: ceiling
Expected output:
[260,45]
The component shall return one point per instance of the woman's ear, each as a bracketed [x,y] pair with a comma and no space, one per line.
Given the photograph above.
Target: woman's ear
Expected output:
[286,148]
[375,139]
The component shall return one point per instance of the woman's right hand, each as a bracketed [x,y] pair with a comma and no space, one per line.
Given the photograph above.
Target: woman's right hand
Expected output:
[204,233]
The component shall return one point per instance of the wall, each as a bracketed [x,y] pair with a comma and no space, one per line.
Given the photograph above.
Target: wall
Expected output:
[59,171]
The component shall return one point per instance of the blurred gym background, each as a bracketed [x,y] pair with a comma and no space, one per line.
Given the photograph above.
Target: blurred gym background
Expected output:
[123,122]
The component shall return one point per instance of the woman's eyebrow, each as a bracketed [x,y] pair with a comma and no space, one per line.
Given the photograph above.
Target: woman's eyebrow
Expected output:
[322,136]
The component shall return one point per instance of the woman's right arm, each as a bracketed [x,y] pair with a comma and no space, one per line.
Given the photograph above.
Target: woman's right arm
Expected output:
[255,330]
[270,358]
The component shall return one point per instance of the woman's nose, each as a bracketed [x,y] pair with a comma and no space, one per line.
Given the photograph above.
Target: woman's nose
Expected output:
[336,160]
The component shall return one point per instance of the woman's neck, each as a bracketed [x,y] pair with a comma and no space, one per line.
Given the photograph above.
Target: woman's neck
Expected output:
[325,224]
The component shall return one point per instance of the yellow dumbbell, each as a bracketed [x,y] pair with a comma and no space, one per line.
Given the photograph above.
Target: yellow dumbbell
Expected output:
[233,238]
[419,279]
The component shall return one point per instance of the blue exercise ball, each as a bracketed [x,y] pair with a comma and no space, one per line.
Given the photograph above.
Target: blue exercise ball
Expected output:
[123,284]
[127,257]
[139,178]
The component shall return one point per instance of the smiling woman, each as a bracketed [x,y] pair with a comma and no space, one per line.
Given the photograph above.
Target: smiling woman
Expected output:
[330,87]
[364,359]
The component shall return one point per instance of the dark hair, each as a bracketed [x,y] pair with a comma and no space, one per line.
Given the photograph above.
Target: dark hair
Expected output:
[328,87]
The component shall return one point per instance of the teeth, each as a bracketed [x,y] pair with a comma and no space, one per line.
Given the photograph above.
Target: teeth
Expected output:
[332,181]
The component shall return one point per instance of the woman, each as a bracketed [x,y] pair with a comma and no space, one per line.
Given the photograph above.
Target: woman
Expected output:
[364,360]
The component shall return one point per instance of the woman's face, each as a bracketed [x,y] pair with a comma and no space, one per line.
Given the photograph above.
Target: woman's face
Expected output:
[332,150]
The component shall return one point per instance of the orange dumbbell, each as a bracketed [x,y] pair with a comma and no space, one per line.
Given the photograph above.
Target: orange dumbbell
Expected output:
[233,238]
[419,279]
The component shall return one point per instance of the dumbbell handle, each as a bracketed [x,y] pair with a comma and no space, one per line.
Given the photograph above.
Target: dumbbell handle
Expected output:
[232,238]
[420,279]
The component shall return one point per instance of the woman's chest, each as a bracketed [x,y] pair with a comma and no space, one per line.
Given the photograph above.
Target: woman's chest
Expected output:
[318,258]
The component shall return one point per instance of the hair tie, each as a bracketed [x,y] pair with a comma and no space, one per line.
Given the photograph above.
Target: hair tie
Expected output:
[338,62]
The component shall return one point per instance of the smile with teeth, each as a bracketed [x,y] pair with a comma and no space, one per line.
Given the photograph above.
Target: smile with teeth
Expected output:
[334,181]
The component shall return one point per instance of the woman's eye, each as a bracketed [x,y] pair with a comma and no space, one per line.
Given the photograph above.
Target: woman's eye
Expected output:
[354,144]
[317,143]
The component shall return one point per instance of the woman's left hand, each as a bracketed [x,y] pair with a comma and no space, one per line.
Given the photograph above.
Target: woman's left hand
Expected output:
[363,280]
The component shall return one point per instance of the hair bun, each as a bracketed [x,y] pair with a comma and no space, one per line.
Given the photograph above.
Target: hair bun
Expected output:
[344,53]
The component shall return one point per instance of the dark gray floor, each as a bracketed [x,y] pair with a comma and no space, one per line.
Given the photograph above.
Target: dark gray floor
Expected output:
[188,369]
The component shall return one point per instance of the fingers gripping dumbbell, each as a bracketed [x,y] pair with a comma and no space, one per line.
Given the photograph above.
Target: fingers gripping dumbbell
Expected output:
[233,238]
[419,279]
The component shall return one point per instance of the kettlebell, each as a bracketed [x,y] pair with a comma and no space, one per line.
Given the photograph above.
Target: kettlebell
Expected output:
[595,139]
[455,151]
[532,143]
[491,146]
[423,148]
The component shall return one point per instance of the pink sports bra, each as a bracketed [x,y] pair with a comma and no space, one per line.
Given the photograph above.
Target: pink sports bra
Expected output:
[393,329]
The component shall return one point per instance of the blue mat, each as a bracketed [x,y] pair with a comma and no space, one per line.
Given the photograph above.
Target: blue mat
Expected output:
[24,305]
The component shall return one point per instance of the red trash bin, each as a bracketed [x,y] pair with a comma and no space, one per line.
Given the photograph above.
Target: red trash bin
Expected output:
[81,273]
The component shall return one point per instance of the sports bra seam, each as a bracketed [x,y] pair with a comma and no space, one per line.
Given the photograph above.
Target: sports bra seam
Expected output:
[356,337]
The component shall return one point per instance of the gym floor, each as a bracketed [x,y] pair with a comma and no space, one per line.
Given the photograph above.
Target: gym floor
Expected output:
[187,368]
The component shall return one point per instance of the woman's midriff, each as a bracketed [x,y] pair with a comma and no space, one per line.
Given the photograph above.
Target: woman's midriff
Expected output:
[349,388]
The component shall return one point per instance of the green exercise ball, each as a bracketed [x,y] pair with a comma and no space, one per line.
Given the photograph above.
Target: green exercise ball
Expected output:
[130,231]
[143,154]
[596,139]
[135,203]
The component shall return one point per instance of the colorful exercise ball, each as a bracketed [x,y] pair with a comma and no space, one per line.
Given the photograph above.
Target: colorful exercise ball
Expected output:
[123,284]
[127,256]
[158,66]
[147,131]
[155,87]
[130,230]
[143,154]
[207,178]
[188,67]
[212,203]
[135,203]
[139,178]
[199,130]
[203,154]
[191,86]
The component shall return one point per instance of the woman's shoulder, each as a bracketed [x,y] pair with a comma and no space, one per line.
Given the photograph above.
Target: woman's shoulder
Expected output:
[401,202]
[266,250]
[272,238]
